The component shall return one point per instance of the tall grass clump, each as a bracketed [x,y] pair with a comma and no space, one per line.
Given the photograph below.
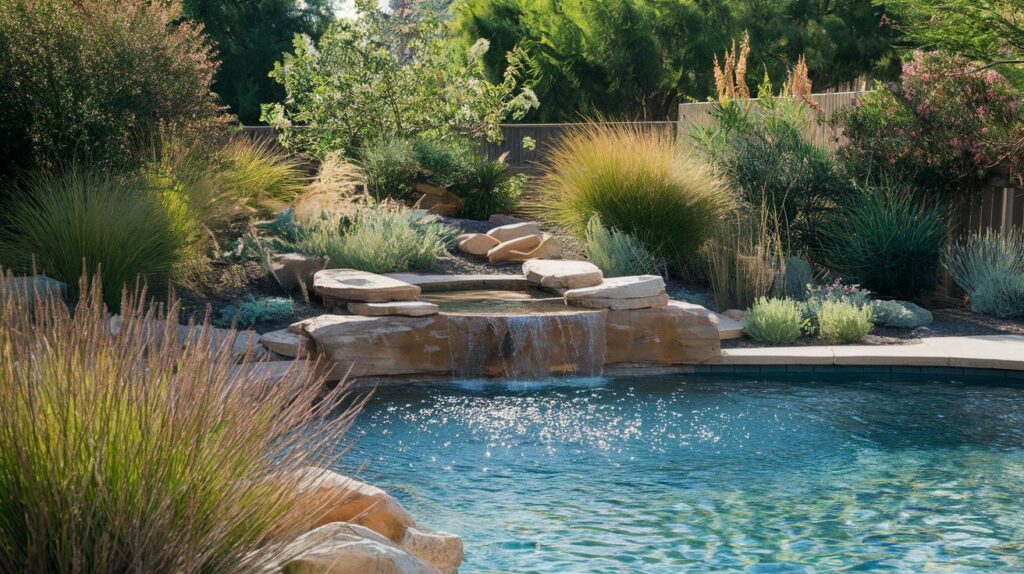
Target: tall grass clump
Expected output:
[128,451]
[381,239]
[260,175]
[887,240]
[775,321]
[617,254]
[743,259]
[989,266]
[59,221]
[844,322]
[639,182]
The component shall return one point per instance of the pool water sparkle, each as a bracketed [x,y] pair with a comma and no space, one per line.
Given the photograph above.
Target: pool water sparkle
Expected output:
[681,474]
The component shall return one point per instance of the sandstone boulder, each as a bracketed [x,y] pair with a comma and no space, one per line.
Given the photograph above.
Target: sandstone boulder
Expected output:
[620,288]
[504,219]
[294,272]
[514,231]
[615,303]
[439,549]
[353,285]
[342,548]
[332,497]
[437,199]
[513,249]
[476,243]
[400,308]
[559,274]
[530,247]
[673,335]
[287,344]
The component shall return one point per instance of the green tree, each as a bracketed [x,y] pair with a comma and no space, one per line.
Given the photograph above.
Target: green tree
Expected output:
[640,58]
[249,36]
[380,77]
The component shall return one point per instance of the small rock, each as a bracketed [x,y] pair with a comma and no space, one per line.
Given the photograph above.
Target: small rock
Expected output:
[619,304]
[353,285]
[294,271]
[342,548]
[437,199]
[439,549]
[735,314]
[631,287]
[476,243]
[559,274]
[288,344]
[401,308]
[503,219]
[513,249]
[514,231]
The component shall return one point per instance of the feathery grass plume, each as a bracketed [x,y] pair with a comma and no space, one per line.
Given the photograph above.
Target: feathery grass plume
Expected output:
[337,190]
[639,181]
[798,82]
[138,450]
[731,74]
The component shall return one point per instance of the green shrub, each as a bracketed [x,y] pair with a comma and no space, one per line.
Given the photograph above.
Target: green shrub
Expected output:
[888,241]
[835,292]
[794,279]
[639,182]
[842,322]
[391,168]
[901,314]
[134,453]
[382,239]
[84,78]
[973,259]
[492,189]
[762,149]
[1000,294]
[450,162]
[775,321]
[71,217]
[250,311]
[617,254]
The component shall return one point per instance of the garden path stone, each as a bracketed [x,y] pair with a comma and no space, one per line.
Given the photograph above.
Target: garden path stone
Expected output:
[400,308]
[514,231]
[559,274]
[353,285]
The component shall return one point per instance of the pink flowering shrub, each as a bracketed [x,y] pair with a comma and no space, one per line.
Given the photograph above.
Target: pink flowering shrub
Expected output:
[943,126]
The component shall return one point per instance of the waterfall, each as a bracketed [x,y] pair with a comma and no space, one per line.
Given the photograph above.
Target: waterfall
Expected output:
[527,346]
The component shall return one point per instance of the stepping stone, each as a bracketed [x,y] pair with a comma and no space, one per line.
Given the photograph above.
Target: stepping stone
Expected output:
[558,274]
[352,285]
[401,308]
[617,304]
[514,231]
[287,344]
[632,287]
[475,243]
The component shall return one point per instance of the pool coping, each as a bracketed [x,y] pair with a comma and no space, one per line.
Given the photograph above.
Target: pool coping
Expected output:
[996,352]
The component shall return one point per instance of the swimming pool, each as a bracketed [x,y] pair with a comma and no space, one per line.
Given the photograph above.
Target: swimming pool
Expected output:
[698,474]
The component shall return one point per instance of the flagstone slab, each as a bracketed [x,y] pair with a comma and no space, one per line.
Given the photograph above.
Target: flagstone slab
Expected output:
[560,274]
[353,285]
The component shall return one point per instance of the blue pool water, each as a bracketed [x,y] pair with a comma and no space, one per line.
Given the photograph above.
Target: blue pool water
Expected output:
[684,474]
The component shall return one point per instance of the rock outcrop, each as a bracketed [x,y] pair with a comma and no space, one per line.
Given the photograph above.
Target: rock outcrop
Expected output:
[558,274]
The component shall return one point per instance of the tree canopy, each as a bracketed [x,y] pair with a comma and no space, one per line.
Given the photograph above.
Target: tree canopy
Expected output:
[249,36]
[639,58]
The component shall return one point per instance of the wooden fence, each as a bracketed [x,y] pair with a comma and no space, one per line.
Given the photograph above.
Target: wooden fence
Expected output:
[819,131]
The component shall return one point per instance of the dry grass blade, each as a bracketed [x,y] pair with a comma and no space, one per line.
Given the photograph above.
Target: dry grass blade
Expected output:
[135,453]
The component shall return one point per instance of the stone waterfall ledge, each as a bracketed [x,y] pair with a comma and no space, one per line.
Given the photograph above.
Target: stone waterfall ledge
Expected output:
[463,345]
